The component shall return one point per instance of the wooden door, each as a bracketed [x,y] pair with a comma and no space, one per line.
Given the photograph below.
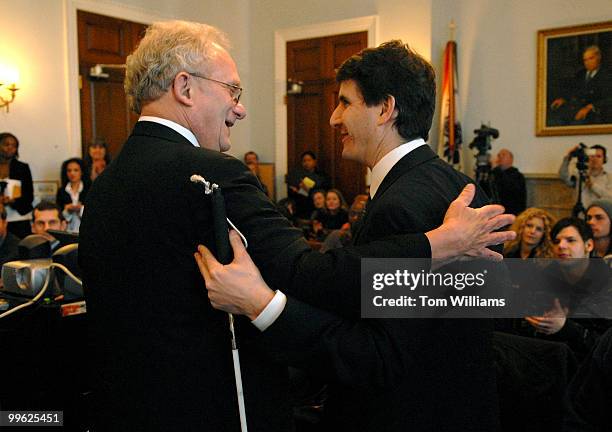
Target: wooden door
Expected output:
[313,62]
[104,111]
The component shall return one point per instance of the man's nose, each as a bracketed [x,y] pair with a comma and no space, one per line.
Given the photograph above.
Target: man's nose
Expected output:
[334,120]
[240,111]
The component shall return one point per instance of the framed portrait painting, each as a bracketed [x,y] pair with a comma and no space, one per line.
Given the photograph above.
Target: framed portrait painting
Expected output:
[574,87]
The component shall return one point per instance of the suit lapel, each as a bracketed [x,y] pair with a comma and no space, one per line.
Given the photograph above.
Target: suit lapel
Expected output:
[413,159]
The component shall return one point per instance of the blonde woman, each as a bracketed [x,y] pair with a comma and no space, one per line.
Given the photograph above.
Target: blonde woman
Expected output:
[532,228]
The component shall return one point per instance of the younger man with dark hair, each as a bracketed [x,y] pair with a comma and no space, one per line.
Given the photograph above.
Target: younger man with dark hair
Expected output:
[582,283]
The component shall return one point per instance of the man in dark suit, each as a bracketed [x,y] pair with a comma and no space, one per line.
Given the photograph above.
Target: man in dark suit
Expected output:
[162,353]
[587,97]
[383,374]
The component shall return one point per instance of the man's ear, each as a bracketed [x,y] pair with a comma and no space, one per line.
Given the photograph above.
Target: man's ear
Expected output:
[182,88]
[388,110]
[589,246]
[63,225]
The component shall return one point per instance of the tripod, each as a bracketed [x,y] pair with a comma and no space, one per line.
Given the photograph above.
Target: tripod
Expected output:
[579,207]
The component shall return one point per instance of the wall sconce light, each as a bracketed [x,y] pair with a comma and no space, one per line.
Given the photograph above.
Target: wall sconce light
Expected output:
[9,77]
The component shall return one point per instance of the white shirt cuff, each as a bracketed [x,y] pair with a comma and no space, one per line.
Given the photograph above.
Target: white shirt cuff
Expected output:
[271,312]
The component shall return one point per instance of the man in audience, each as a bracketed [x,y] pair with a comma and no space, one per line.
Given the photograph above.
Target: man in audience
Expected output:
[509,183]
[598,216]
[8,241]
[251,160]
[47,216]
[598,183]
[384,374]
[583,286]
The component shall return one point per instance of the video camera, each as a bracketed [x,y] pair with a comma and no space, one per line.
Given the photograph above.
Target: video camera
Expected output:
[582,154]
[482,141]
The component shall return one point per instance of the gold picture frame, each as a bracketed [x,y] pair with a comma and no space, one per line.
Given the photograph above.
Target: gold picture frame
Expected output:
[565,105]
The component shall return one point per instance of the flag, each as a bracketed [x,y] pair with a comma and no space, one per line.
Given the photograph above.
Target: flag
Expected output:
[449,142]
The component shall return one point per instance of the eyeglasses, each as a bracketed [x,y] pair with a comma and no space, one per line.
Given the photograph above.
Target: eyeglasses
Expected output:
[236,91]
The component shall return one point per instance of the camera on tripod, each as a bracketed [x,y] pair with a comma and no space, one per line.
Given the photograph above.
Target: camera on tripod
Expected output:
[483,174]
[482,141]
[582,154]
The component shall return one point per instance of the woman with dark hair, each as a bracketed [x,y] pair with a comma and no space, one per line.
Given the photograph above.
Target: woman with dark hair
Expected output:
[71,195]
[97,159]
[16,186]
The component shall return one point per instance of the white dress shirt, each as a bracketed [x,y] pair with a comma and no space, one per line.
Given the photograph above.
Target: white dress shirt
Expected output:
[388,161]
[174,126]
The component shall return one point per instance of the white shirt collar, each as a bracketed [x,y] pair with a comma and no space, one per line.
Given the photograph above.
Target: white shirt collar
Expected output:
[174,126]
[74,196]
[388,161]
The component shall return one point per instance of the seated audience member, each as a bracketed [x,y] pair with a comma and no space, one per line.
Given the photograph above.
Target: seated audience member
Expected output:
[71,195]
[251,160]
[589,395]
[532,228]
[343,236]
[509,183]
[47,216]
[8,241]
[598,218]
[318,201]
[97,159]
[17,189]
[334,216]
[583,287]
[598,184]
[303,180]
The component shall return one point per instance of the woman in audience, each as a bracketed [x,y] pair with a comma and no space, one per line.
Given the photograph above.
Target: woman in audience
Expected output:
[532,240]
[71,195]
[16,185]
[96,159]
[318,201]
[334,216]
[598,218]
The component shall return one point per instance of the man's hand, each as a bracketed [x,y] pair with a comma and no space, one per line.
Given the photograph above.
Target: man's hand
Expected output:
[552,321]
[238,287]
[468,231]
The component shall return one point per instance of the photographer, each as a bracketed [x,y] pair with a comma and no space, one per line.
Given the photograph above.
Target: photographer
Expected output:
[597,183]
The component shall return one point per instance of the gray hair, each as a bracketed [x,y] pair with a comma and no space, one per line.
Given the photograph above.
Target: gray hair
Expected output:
[167,48]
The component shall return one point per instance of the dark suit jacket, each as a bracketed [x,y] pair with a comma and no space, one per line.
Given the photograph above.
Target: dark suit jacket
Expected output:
[9,249]
[21,171]
[163,359]
[395,374]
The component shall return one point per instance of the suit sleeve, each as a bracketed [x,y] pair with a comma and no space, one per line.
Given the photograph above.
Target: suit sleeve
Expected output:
[23,204]
[282,254]
[357,353]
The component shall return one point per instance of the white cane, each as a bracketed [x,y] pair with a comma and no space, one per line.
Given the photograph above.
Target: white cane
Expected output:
[224,256]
